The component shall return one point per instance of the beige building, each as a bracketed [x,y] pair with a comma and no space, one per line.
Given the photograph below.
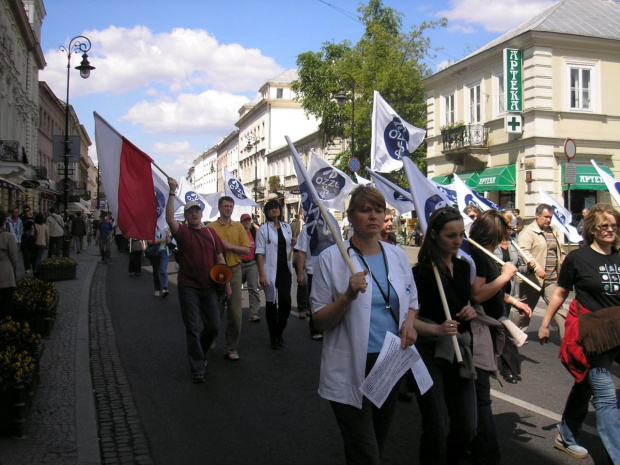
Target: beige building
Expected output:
[560,81]
[21,58]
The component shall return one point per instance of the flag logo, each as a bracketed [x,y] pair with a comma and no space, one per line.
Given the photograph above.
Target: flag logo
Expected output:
[395,137]
[560,215]
[319,234]
[617,186]
[328,183]
[400,197]
[434,202]
[236,189]
[161,201]
[191,196]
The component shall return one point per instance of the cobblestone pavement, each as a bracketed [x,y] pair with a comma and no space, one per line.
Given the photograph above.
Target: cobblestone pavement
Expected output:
[121,434]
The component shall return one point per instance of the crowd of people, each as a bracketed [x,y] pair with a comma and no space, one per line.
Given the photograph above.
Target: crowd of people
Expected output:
[456,310]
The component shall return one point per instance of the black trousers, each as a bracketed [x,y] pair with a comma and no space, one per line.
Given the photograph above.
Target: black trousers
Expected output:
[277,314]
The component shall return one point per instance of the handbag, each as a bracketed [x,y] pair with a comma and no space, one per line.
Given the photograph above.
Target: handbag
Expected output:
[599,331]
[136,245]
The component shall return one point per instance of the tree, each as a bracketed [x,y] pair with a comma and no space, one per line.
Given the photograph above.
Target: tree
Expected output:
[384,59]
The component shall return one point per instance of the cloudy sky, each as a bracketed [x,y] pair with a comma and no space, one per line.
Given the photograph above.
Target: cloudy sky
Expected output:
[171,76]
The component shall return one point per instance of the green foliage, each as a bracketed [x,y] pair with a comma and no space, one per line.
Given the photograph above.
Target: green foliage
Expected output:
[385,59]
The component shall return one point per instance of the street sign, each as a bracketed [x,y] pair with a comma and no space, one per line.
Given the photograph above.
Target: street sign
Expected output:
[294,191]
[31,183]
[58,149]
[570,149]
[354,164]
[570,173]
[514,123]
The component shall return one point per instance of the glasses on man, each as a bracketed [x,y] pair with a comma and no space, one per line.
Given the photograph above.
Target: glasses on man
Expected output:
[607,227]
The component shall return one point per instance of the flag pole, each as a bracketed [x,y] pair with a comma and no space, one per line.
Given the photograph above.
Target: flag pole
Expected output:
[316,199]
[388,183]
[444,303]
[493,257]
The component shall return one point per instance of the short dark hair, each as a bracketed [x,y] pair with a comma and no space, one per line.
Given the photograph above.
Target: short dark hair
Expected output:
[52,210]
[39,218]
[490,228]
[273,203]
[429,251]
[542,207]
[363,194]
[517,211]
[225,198]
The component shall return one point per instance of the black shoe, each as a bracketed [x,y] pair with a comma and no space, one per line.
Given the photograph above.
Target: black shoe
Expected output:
[198,378]
[510,378]
[280,342]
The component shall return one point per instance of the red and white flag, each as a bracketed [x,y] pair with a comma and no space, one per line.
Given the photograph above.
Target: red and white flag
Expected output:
[127,177]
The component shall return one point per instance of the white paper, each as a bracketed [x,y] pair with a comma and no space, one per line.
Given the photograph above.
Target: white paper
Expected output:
[391,365]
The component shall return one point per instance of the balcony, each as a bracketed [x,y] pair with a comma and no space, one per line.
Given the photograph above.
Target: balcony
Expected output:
[470,139]
[41,172]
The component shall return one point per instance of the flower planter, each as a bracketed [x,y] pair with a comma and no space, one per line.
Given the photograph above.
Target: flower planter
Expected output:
[16,398]
[41,319]
[56,273]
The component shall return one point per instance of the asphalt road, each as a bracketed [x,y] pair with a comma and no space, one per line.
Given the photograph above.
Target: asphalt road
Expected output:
[264,409]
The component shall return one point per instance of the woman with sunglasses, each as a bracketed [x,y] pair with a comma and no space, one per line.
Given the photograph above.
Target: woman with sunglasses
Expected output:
[274,240]
[594,273]
[449,408]
[355,312]
[490,289]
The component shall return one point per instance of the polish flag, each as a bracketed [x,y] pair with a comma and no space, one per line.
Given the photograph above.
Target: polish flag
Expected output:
[127,177]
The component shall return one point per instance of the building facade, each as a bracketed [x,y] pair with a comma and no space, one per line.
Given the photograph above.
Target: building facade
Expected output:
[500,117]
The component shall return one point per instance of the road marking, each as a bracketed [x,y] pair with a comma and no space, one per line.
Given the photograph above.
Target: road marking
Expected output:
[538,410]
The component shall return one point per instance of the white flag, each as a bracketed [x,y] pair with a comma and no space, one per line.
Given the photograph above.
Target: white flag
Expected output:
[561,217]
[235,189]
[392,137]
[331,185]
[466,196]
[162,194]
[394,195]
[361,181]
[187,193]
[613,186]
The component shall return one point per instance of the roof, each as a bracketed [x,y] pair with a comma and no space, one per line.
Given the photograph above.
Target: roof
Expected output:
[287,76]
[589,18]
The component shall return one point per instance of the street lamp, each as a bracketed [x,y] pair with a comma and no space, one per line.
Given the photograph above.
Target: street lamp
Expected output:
[253,140]
[341,99]
[78,44]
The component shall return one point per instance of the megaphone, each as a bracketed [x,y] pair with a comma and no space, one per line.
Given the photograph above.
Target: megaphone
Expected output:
[221,274]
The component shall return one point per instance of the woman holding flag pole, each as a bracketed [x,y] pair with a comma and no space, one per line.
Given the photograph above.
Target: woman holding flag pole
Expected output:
[449,408]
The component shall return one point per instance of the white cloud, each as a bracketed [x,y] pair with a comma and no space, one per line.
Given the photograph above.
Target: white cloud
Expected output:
[494,15]
[208,113]
[443,64]
[175,157]
[129,59]
[461,29]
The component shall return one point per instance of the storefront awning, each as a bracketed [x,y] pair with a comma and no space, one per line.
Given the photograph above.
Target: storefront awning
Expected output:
[470,178]
[499,178]
[9,185]
[587,178]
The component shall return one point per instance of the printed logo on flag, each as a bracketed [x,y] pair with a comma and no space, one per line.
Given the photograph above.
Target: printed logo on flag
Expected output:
[191,196]
[328,183]
[559,215]
[236,189]
[160,198]
[617,186]
[400,197]
[448,193]
[396,136]
[319,234]
[433,203]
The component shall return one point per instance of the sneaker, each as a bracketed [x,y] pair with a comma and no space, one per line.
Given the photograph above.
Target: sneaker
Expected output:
[165,293]
[212,346]
[317,337]
[198,378]
[574,450]
[254,318]
[157,294]
[206,362]
[303,315]
[232,357]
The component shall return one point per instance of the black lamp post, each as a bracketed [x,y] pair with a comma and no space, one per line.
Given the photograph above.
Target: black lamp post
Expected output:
[341,99]
[253,140]
[78,44]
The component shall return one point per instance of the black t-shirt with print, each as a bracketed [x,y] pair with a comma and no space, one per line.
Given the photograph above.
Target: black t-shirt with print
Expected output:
[595,277]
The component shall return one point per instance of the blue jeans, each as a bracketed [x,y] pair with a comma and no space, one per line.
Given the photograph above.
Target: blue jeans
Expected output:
[606,403]
[202,319]
[160,270]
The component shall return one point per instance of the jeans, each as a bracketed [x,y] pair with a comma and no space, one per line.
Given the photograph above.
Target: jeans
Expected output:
[575,412]
[249,275]
[78,243]
[160,270]
[606,403]
[40,249]
[202,320]
[448,411]
[55,249]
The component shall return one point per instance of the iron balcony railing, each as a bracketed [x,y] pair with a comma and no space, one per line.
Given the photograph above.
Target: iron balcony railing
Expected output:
[470,135]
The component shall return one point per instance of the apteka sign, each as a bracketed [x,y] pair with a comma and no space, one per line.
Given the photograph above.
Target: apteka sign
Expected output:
[513,80]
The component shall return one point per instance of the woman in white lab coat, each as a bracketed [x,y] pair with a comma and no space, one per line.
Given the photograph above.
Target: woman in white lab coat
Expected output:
[274,241]
[355,312]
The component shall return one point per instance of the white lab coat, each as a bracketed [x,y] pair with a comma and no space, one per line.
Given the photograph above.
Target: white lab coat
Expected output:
[345,346]
[267,245]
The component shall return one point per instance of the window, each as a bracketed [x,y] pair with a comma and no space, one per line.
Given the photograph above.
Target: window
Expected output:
[279,92]
[580,88]
[448,102]
[474,104]
[499,80]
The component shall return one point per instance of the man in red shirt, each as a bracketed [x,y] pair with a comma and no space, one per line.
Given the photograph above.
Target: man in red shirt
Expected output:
[199,249]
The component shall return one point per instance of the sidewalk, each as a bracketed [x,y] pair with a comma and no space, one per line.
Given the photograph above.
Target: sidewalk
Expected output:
[61,425]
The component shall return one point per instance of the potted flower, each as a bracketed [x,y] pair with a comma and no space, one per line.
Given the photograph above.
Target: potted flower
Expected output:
[35,301]
[56,269]
[452,126]
[20,355]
